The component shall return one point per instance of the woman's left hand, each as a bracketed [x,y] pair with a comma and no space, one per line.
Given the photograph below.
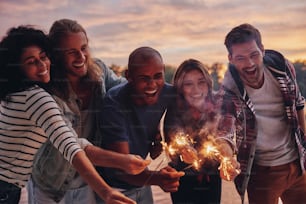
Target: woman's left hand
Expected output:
[189,154]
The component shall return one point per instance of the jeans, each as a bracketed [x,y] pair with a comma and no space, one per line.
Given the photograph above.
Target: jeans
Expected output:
[142,195]
[9,193]
[287,182]
[76,196]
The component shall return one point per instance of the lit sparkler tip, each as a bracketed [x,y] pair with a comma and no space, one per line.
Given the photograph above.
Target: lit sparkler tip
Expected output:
[171,150]
[209,150]
[196,164]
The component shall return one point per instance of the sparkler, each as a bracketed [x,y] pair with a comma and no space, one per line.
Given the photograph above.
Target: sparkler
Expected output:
[181,145]
[209,150]
[226,165]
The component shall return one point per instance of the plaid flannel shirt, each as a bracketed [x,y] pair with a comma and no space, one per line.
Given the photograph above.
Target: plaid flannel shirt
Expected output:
[238,121]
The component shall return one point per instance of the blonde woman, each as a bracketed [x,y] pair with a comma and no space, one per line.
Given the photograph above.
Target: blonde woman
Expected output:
[194,116]
[78,82]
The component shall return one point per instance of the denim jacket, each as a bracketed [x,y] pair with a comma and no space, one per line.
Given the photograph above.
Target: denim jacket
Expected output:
[238,114]
[53,174]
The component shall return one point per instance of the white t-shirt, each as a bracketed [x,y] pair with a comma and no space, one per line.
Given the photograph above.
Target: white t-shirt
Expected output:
[275,144]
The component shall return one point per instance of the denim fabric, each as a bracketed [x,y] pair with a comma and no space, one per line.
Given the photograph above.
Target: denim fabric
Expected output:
[80,195]
[51,173]
[141,195]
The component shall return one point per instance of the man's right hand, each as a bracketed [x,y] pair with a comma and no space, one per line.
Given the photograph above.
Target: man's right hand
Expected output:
[169,179]
[135,164]
[189,154]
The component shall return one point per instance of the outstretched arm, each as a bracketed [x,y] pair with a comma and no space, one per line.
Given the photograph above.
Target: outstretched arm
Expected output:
[167,178]
[85,168]
[46,114]
[131,164]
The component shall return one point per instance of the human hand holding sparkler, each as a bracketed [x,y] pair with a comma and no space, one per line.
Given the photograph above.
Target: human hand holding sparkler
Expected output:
[168,179]
[182,146]
[189,155]
[229,166]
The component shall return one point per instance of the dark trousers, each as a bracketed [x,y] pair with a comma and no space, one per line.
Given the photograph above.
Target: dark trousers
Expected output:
[201,189]
[9,193]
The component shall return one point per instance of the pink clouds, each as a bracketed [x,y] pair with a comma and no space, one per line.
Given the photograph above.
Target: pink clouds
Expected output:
[180,29]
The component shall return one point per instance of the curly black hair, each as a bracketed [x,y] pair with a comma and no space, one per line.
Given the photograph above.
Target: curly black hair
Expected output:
[12,46]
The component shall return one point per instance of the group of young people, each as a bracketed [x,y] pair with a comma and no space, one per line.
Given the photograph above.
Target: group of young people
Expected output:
[74,132]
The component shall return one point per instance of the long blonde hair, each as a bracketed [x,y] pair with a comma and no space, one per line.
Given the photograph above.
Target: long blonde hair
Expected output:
[187,66]
[59,81]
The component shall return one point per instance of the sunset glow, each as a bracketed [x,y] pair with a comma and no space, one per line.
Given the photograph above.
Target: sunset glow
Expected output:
[179,29]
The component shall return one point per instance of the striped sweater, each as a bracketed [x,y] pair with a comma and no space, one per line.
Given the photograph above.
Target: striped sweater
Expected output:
[26,121]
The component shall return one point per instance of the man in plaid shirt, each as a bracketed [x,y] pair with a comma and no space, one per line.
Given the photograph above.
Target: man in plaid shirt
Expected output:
[263,120]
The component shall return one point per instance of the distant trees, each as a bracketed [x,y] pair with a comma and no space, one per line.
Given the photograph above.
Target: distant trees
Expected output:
[217,71]
[300,69]
[169,73]
[119,71]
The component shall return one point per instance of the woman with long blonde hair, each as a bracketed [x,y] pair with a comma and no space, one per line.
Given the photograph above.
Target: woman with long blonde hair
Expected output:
[194,116]
[78,82]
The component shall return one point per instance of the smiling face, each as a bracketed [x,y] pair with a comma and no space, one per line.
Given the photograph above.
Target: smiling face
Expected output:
[247,57]
[35,64]
[195,88]
[75,54]
[147,81]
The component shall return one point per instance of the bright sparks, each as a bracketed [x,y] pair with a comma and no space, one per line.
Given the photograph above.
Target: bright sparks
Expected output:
[182,143]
